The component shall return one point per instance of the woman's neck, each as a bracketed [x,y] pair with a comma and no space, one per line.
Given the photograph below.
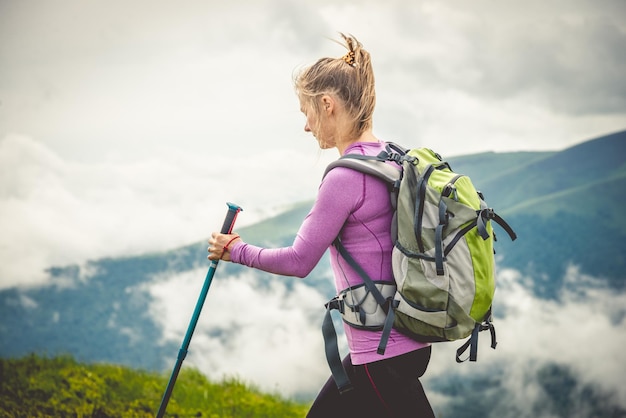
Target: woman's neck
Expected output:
[366,136]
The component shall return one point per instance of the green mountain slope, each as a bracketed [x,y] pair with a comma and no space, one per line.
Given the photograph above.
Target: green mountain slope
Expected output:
[279,229]
[567,207]
[596,160]
[487,166]
[586,200]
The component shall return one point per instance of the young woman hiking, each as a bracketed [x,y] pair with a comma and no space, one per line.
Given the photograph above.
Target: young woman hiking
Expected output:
[337,97]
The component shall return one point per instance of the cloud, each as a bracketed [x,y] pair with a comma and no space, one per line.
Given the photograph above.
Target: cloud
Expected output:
[530,58]
[55,212]
[583,333]
[570,329]
[122,80]
[266,334]
[560,54]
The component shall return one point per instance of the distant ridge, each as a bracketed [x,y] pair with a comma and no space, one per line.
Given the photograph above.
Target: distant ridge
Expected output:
[566,206]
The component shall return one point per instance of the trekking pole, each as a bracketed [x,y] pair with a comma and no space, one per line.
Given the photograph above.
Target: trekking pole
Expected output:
[227,228]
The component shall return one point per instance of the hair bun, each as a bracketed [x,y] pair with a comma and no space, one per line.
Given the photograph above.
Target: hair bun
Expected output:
[350,58]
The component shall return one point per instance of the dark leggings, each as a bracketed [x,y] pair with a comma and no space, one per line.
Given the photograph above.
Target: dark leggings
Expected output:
[386,388]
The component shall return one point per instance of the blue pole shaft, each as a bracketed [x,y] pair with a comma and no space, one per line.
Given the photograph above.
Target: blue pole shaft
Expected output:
[227,228]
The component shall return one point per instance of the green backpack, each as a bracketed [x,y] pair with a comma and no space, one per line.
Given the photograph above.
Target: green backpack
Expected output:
[443,257]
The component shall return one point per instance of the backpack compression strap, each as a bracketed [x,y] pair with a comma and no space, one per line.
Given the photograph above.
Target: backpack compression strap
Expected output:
[332,354]
[385,304]
[472,342]
[328,328]
[489,214]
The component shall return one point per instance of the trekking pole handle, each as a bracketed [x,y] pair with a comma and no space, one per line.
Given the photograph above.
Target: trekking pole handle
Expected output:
[231,216]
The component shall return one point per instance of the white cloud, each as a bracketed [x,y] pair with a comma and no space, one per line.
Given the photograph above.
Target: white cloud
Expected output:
[266,335]
[56,212]
[270,337]
[583,331]
[93,82]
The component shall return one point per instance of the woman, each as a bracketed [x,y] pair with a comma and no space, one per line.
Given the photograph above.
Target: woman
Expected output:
[337,97]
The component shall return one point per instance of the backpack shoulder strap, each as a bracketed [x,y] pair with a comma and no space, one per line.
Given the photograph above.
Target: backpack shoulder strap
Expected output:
[367,165]
[376,165]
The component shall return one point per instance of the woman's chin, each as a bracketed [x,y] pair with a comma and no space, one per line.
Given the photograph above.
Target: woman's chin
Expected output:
[325,145]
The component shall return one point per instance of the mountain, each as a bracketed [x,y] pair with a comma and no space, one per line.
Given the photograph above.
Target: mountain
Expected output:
[566,207]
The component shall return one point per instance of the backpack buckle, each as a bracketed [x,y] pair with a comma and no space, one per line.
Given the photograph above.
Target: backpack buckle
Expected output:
[409,159]
[336,303]
[397,157]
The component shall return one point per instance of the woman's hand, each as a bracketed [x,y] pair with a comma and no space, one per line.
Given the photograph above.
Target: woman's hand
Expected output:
[219,245]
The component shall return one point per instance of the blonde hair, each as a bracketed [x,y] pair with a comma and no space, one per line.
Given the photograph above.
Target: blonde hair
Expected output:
[349,78]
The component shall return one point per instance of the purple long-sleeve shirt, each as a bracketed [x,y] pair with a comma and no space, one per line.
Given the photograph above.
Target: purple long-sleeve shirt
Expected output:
[357,208]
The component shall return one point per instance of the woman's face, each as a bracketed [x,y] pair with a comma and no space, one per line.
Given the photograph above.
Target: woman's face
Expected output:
[314,125]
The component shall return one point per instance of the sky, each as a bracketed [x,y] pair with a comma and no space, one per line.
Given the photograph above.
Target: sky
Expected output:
[125,126]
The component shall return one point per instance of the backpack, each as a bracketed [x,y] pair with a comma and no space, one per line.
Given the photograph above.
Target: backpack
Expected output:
[443,258]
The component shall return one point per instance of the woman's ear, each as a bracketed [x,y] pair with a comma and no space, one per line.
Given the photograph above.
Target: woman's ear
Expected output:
[328,104]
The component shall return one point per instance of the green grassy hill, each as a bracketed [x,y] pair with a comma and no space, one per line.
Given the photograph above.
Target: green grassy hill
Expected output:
[35,386]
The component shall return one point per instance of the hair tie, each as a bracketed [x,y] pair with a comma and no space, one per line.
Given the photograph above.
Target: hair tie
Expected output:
[349,58]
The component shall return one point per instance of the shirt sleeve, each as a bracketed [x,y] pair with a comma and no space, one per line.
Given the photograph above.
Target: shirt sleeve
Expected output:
[339,195]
